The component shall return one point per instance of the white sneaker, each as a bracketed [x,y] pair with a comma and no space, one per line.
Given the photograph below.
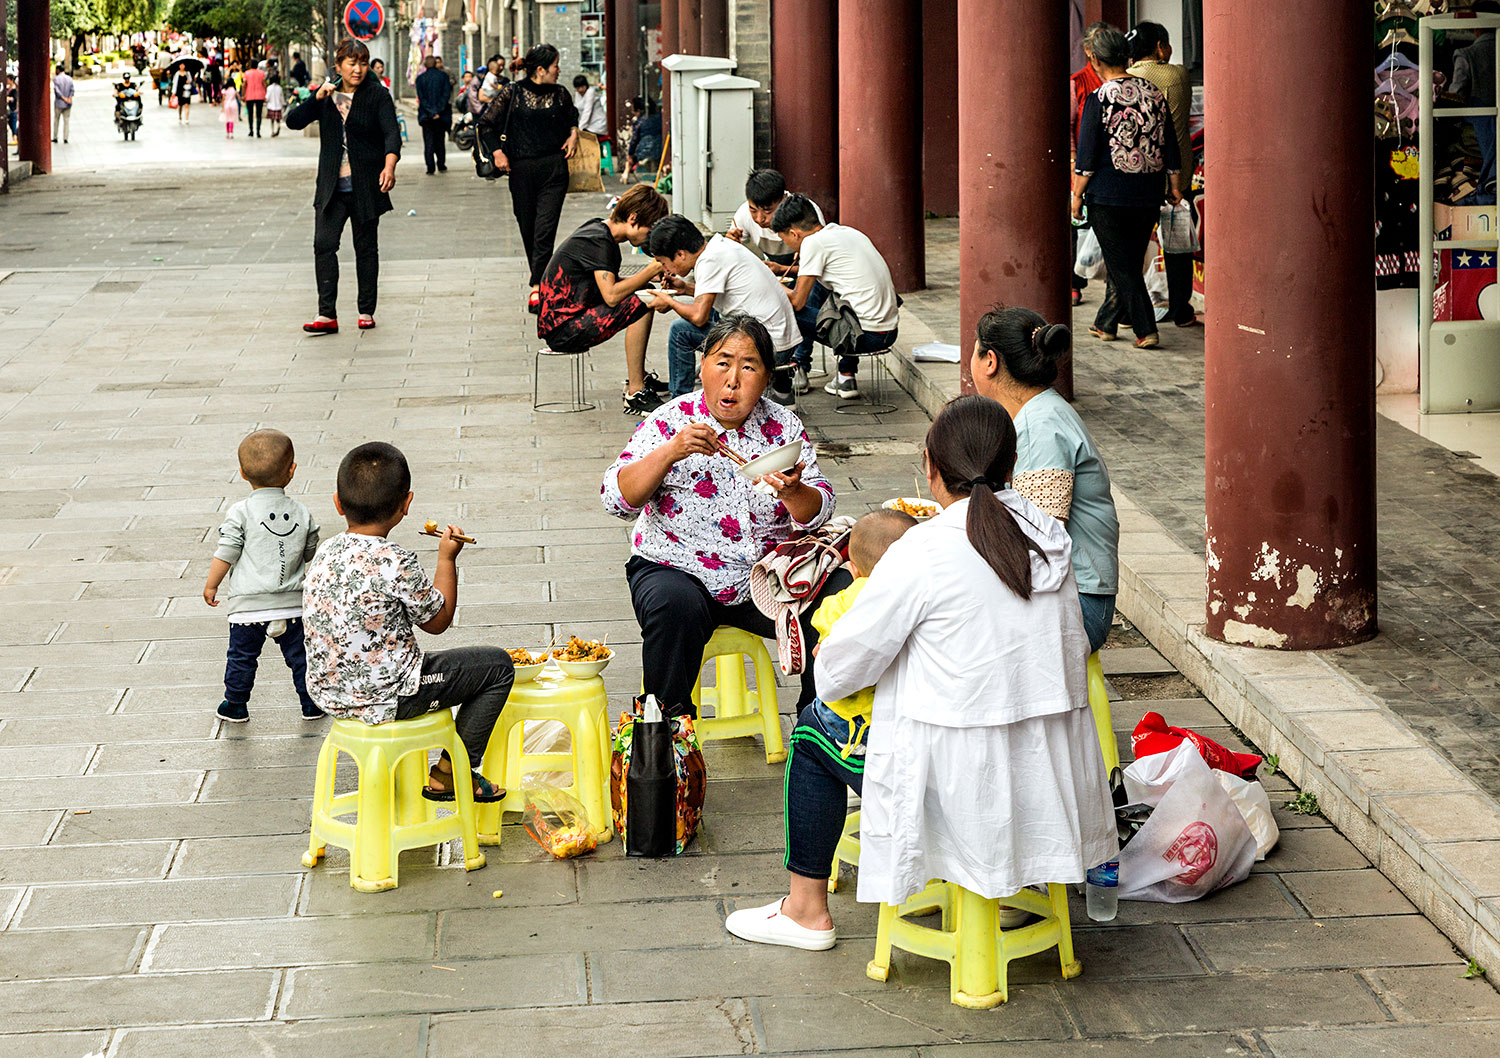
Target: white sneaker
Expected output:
[767,925]
[799,380]
[843,388]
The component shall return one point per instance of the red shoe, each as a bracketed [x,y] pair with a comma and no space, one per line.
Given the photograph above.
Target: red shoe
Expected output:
[322,327]
[365,324]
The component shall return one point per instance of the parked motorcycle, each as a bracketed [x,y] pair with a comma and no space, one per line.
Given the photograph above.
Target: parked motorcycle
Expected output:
[129,109]
[463,132]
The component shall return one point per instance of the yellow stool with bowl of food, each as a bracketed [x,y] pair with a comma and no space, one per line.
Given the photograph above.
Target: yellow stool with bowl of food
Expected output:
[561,685]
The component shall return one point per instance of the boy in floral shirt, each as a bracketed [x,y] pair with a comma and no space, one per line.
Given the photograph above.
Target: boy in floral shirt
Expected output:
[363,595]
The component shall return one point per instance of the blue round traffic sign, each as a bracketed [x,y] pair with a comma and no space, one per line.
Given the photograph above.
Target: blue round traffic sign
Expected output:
[364,19]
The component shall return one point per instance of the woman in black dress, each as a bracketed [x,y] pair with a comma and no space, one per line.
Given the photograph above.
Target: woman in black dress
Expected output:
[360,144]
[531,128]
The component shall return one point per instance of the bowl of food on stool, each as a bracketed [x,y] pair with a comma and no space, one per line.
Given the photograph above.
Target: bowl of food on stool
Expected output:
[582,659]
[528,663]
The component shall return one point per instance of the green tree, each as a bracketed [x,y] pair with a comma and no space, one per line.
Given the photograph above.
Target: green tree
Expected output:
[72,20]
[290,22]
[194,17]
[132,16]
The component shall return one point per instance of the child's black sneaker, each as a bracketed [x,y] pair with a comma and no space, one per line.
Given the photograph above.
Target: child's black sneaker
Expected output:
[234,714]
[312,712]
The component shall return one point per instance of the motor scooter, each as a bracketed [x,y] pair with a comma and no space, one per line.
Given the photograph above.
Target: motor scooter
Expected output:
[128,109]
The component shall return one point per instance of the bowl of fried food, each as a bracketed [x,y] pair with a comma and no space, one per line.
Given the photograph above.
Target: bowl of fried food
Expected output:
[528,663]
[919,509]
[582,659]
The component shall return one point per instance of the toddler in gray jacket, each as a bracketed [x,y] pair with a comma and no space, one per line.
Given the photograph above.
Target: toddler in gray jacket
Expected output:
[264,547]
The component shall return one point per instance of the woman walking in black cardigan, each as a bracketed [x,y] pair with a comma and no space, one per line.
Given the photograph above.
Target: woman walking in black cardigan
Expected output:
[531,128]
[361,144]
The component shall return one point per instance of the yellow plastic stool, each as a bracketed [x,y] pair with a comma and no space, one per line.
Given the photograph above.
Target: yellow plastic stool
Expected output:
[391,813]
[971,941]
[583,708]
[739,711]
[847,850]
[1103,722]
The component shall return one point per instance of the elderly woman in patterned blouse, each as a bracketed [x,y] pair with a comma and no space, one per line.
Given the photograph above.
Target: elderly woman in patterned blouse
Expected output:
[699,526]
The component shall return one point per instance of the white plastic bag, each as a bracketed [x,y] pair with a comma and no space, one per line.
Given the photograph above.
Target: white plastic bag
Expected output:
[1255,807]
[1089,264]
[1195,842]
[1176,230]
[546,737]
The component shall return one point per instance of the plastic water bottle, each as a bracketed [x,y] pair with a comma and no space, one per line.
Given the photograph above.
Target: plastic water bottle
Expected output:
[1102,891]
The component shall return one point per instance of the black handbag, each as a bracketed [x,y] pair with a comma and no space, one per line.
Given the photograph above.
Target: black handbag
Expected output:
[651,791]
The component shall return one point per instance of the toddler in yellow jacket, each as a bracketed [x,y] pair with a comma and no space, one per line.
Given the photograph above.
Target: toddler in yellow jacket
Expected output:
[868,541]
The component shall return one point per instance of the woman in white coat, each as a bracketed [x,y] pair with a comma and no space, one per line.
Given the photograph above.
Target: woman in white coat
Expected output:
[983,767]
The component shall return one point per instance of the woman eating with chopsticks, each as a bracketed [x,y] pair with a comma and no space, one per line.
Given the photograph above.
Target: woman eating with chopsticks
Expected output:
[700,526]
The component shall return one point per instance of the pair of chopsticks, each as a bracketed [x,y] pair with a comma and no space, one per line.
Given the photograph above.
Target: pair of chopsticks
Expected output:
[734,456]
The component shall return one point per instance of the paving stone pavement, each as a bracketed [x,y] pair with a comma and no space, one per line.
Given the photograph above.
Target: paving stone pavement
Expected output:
[152,901]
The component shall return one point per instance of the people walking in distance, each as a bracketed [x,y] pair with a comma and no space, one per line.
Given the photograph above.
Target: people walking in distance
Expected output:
[434,114]
[1151,59]
[1127,152]
[231,108]
[360,145]
[530,127]
[275,103]
[254,96]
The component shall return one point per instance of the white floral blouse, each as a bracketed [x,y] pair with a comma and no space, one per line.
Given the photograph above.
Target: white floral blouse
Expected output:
[361,598]
[705,519]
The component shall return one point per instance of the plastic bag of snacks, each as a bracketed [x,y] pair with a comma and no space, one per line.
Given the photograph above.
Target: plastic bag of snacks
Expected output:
[557,821]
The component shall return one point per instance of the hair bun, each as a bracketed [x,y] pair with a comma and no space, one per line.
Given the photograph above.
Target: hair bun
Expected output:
[1052,340]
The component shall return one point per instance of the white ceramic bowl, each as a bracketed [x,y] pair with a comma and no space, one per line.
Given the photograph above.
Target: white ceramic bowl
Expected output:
[890,505]
[584,670]
[773,462]
[525,673]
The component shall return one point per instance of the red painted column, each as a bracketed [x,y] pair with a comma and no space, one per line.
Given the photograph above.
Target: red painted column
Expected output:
[1013,164]
[33,52]
[668,49]
[880,134]
[625,59]
[940,107]
[715,35]
[804,66]
[689,26]
[1289,373]
[1115,12]
[611,69]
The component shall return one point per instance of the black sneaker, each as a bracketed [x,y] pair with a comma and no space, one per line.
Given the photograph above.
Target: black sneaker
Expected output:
[312,712]
[234,714]
[642,402]
[656,385]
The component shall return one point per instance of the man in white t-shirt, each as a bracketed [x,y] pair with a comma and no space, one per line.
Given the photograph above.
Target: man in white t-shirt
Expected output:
[845,261]
[727,278]
[764,191]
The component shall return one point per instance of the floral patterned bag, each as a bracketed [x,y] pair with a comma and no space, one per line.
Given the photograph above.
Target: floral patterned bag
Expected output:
[657,780]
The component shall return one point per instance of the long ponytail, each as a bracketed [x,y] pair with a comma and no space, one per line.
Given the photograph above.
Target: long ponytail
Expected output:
[972,446]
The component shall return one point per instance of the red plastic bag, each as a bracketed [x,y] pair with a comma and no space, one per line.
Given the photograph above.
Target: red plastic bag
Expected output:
[1153,735]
